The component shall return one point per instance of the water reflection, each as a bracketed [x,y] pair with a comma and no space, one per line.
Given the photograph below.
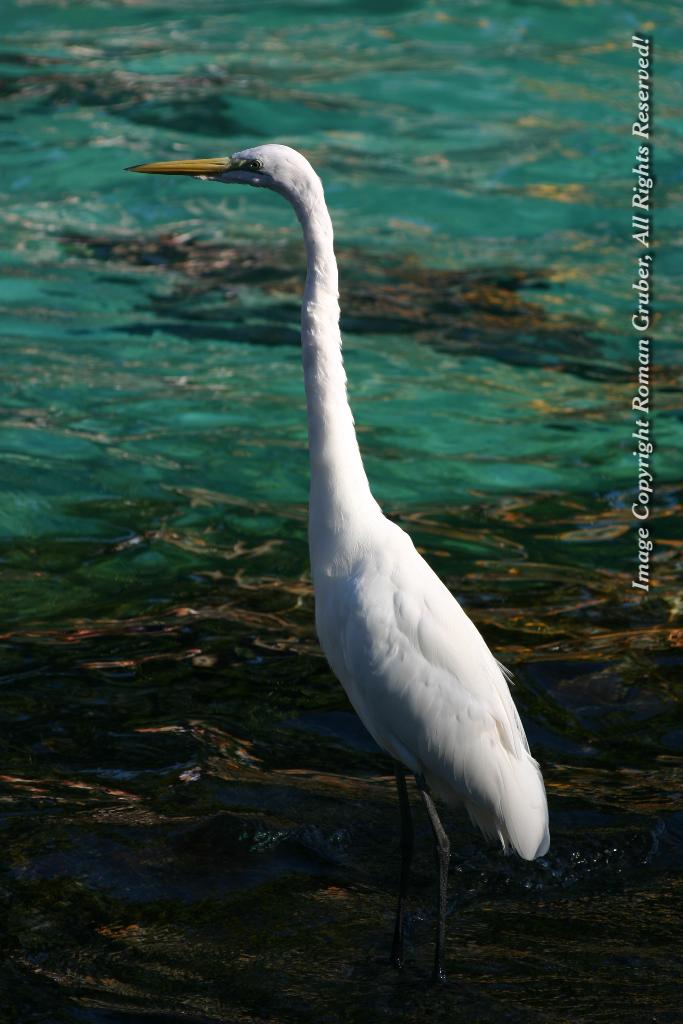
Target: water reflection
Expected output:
[198,819]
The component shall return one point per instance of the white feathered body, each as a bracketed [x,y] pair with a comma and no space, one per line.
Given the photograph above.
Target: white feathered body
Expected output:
[426,686]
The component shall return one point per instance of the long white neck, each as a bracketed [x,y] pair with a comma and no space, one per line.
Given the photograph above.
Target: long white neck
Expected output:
[340,498]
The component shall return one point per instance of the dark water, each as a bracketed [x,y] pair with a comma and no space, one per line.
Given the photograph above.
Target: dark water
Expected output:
[195,826]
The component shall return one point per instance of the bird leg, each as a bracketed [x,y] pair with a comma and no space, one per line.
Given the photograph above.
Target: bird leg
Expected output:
[406,858]
[443,853]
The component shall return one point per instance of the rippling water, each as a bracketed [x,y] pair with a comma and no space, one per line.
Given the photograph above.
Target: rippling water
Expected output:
[195,826]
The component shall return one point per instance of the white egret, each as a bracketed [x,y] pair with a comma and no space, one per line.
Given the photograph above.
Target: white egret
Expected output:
[414,666]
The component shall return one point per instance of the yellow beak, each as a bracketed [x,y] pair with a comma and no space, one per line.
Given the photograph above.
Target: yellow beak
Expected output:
[208,168]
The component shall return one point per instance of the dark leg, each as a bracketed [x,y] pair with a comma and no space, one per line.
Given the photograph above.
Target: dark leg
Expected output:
[406,857]
[443,853]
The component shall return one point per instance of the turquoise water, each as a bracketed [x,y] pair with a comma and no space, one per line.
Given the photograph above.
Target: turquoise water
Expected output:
[195,825]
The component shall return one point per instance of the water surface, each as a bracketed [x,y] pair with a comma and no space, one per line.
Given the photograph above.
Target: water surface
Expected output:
[195,826]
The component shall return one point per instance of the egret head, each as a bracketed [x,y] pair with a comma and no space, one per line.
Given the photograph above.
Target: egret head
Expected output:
[271,166]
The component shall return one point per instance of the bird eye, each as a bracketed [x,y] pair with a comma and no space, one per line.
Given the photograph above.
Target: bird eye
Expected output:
[255,165]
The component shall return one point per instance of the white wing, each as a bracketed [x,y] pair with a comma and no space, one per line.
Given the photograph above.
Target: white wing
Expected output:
[428,689]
